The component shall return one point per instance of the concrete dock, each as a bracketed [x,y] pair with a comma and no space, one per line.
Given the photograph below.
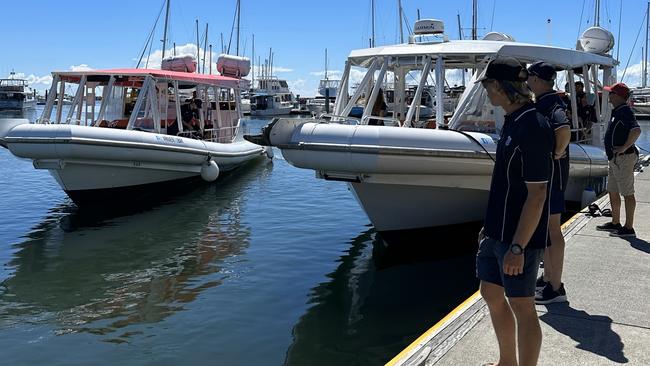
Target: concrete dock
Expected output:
[605,322]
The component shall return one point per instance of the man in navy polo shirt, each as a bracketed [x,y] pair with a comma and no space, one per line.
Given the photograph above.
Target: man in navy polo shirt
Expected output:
[622,133]
[515,232]
[541,79]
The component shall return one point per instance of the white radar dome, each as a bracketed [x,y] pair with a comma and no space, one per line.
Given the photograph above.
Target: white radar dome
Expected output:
[596,40]
[498,36]
[429,26]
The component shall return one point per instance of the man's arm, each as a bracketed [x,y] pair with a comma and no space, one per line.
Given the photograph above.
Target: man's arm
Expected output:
[528,221]
[631,139]
[562,139]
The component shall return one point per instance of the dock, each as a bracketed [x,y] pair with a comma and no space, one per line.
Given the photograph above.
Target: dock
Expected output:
[605,322]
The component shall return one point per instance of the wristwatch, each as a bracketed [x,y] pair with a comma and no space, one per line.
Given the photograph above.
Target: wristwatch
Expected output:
[516,249]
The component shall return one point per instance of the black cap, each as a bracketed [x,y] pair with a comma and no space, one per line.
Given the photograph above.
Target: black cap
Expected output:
[542,70]
[504,68]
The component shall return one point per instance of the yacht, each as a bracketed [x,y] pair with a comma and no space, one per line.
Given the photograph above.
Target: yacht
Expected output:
[154,129]
[272,97]
[15,94]
[411,176]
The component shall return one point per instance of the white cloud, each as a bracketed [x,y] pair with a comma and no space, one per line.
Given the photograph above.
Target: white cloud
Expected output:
[332,74]
[82,67]
[35,81]
[633,75]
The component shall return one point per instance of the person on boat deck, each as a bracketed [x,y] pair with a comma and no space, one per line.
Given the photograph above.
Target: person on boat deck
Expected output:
[190,115]
[622,132]
[515,231]
[378,110]
[541,79]
[586,110]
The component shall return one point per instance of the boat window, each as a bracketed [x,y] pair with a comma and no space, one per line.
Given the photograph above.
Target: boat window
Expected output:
[476,113]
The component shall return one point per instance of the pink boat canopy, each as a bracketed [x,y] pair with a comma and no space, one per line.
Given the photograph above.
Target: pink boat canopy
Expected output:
[135,77]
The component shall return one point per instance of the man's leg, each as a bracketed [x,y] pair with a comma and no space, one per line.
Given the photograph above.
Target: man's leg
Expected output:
[615,201]
[503,322]
[529,333]
[630,206]
[555,253]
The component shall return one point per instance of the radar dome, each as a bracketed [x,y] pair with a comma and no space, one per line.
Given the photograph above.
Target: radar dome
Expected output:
[596,40]
[498,36]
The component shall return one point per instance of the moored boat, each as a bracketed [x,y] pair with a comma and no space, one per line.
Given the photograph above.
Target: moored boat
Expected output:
[153,128]
[411,178]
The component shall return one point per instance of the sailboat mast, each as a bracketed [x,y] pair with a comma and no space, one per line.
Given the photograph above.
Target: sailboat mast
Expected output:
[198,46]
[645,58]
[165,31]
[253,59]
[238,19]
[460,36]
[205,45]
[401,21]
[326,64]
[372,40]
[474,19]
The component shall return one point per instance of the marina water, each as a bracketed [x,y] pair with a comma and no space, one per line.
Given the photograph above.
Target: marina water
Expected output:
[268,266]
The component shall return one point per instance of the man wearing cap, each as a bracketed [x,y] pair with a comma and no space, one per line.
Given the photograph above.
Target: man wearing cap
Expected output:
[515,230]
[622,133]
[541,79]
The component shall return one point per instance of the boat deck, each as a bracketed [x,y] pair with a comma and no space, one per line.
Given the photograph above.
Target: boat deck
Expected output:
[605,322]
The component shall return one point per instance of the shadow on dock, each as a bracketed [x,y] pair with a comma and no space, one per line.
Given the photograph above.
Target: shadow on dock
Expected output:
[593,333]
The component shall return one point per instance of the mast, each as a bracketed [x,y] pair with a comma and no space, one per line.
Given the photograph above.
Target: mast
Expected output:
[401,21]
[597,14]
[205,45]
[253,59]
[198,46]
[645,58]
[238,18]
[460,36]
[474,18]
[372,39]
[165,31]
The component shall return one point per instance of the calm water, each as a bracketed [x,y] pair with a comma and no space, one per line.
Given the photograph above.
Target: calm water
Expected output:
[268,266]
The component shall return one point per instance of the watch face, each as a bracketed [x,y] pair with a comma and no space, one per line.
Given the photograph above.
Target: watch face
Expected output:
[516,249]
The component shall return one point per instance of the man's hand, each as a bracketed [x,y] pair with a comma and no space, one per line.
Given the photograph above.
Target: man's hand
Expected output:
[513,264]
[560,155]
[619,150]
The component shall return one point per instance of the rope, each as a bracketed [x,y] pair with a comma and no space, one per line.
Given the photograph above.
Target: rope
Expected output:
[476,141]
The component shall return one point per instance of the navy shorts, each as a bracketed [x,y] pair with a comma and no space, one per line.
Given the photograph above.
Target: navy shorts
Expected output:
[489,268]
[556,201]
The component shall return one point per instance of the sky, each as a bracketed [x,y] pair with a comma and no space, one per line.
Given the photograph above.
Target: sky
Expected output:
[43,36]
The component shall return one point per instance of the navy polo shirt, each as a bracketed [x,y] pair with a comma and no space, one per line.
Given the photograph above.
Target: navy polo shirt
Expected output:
[551,106]
[623,121]
[524,155]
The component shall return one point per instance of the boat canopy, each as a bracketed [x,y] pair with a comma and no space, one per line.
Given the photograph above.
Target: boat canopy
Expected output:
[136,76]
[468,53]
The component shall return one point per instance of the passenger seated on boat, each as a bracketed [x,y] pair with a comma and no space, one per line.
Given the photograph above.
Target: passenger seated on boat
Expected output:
[189,116]
[586,111]
[378,109]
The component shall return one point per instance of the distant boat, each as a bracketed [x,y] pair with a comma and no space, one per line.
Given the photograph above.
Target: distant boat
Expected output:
[15,94]
[271,98]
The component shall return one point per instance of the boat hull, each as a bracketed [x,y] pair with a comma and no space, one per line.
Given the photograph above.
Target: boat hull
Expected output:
[408,178]
[90,160]
[9,104]
[271,112]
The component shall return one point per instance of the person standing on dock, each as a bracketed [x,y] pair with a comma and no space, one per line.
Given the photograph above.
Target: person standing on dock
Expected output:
[515,231]
[622,132]
[541,79]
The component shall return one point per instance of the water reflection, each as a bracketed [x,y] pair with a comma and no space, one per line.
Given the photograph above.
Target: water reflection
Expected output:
[101,273]
[380,299]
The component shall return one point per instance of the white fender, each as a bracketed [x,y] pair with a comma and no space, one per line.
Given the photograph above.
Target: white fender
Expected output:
[209,171]
[268,150]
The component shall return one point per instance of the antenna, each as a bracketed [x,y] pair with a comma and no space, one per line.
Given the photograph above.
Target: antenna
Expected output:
[401,21]
[372,40]
[474,19]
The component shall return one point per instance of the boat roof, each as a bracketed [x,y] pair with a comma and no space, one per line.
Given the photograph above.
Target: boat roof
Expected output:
[468,53]
[183,77]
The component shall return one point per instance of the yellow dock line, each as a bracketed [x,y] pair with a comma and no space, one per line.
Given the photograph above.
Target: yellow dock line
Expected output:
[424,337]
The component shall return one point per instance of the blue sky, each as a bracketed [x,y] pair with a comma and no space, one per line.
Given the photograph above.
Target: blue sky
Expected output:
[41,36]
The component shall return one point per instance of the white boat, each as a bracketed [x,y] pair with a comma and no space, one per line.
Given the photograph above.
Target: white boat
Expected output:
[15,94]
[272,97]
[413,178]
[134,142]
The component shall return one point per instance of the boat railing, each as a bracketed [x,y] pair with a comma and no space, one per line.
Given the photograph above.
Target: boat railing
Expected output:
[391,120]
[220,135]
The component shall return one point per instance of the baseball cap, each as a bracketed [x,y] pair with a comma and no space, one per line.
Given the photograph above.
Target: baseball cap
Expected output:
[619,89]
[504,68]
[542,70]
